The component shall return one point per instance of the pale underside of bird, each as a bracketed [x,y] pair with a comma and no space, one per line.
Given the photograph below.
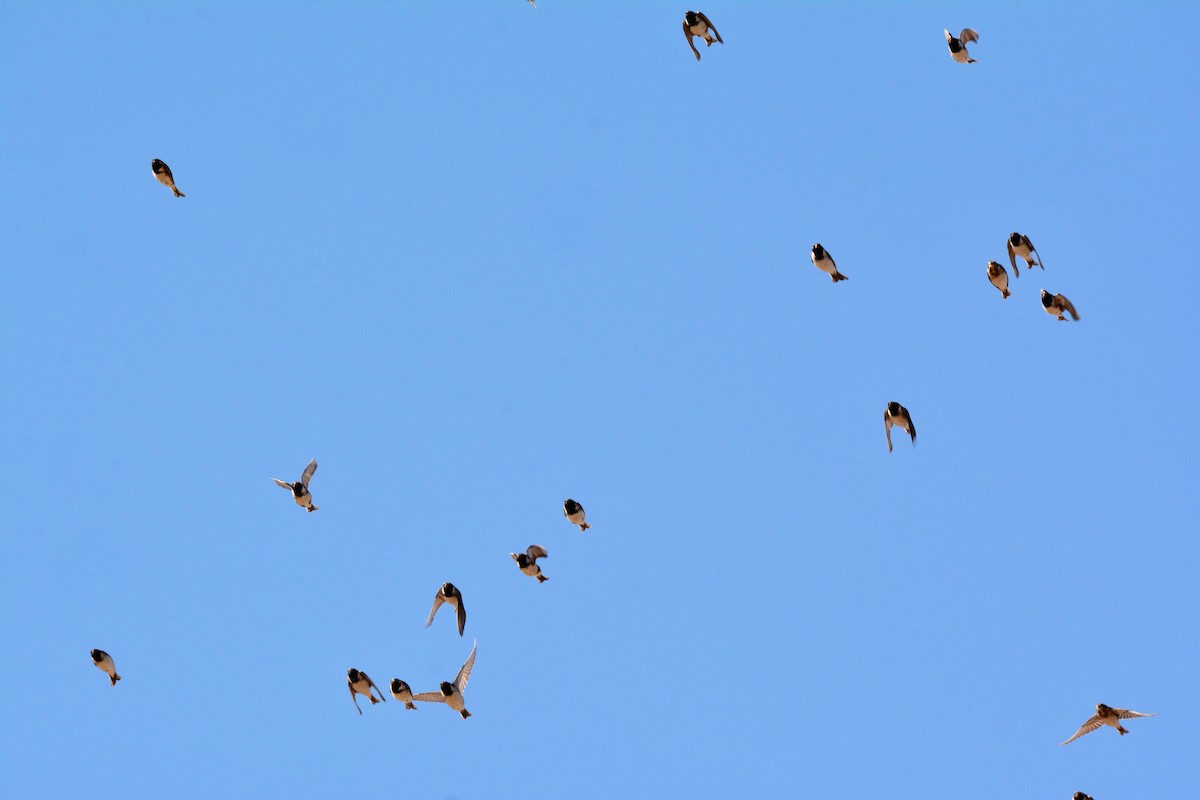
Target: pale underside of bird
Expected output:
[1020,245]
[575,514]
[359,683]
[527,561]
[1057,305]
[999,277]
[896,414]
[452,693]
[1106,715]
[162,173]
[104,662]
[824,262]
[449,593]
[958,45]
[299,489]
[696,24]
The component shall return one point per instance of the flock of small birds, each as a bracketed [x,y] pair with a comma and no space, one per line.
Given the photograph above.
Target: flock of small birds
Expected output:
[695,25]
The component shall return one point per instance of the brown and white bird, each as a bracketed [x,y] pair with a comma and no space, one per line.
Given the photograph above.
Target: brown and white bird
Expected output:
[575,514]
[162,173]
[527,561]
[696,24]
[402,692]
[999,277]
[958,45]
[1019,245]
[824,262]
[359,683]
[1081,796]
[449,593]
[300,488]
[896,414]
[1106,715]
[104,662]
[1056,305]
[452,693]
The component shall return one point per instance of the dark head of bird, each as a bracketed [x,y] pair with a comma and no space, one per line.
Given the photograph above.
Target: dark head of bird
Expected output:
[298,489]
[523,560]
[1047,299]
[354,675]
[691,18]
[570,506]
[994,268]
[818,251]
[158,166]
[955,45]
[398,686]
[1080,796]
[1014,239]
[894,409]
[447,688]
[448,590]
[98,656]
[1103,710]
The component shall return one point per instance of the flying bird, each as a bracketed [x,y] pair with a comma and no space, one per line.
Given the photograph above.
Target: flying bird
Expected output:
[1056,305]
[1019,245]
[402,692]
[359,683]
[532,3]
[527,561]
[300,487]
[824,262]
[999,277]
[449,593]
[958,47]
[896,414]
[452,693]
[103,661]
[696,24]
[1081,796]
[1106,715]
[575,514]
[162,173]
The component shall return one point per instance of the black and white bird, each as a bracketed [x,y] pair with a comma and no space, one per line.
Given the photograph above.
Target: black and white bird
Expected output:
[575,514]
[824,262]
[104,662]
[1106,715]
[452,693]
[1056,305]
[449,593]
[1081,796]
[896,414]
[696,24]
[359,683]
[162,174]
[999,277]
[527,561]
[1019,245]
[958,46]
[402,692]
[299,489]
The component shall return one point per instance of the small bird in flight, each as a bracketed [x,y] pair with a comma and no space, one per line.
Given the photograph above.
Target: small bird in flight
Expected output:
[1056,305]
[402,692]
[1019,245]
[1106,715]
[696,24]
[958,47]
[896,414]
[452,693]
[163,174]
[1081,796]
[104,662]
[527,561]
[449,593]
[824,262]
[999,277]
[359,683]
[575,514]
[300,487]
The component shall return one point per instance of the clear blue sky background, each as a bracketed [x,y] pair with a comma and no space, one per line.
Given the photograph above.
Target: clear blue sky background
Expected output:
[477,258]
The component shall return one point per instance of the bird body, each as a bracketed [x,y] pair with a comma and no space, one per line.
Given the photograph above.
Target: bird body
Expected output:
[452,693]
[402,692]
[1020,245]
[104,662]
[449,593]
[896,414]
[162,173]
[299,489]
[527,561]
[1057,305]
[359,683]
[575,514]
[958,45]
[1106,715]
[999,277]
[696,24]
[824,262]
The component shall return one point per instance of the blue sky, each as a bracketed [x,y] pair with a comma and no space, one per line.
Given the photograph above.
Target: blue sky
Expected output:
[477,258]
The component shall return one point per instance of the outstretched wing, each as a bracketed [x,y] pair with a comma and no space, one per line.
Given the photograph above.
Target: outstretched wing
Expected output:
[1012,259]
[371,683]
[688,33]
[460,680]
[437,603]
[282,484]
[968,35]
[1089,726]
[462,615]
[948,36]
[1125,713]
[708,22]
[430,697]
[1036,253]
[912,430]
[887,429]
[308,472]
[536,551]
[1069,306]
[354,697]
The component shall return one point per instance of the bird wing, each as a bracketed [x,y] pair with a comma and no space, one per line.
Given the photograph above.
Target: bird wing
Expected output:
[354,697]
[688,33]
[371,683]
[430,697]
[912,430]
[1036,253]
[1069,306]
[1087,727]
[1012,259]
[536,551]
[887,429]
[308,472]
[282,484]
[968,35]
[948,36]
[437,603]
[708,22]
[460,680]
[1125,713]
[462,615]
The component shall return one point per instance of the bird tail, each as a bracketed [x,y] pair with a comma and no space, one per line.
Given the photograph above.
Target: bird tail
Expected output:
[583,526]
[312,509]
[542,579]
[178,193]
[373,700]
[837,276]
[465,713]
[411,705]
[1006,294]
[114,678]
[1121,730]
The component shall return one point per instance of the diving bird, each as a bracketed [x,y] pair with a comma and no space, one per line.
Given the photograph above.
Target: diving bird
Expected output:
[300,488]
[162,174]
[575,514]
[452,693]
[1019,245]
[958,47]
[1081,796]
[896,414]
[696,24]
[402,692]
[824,262]
[1106,715]
[359,683]
[999,277]
[1056,305]
[527,561]
[449,593]
[103,661]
